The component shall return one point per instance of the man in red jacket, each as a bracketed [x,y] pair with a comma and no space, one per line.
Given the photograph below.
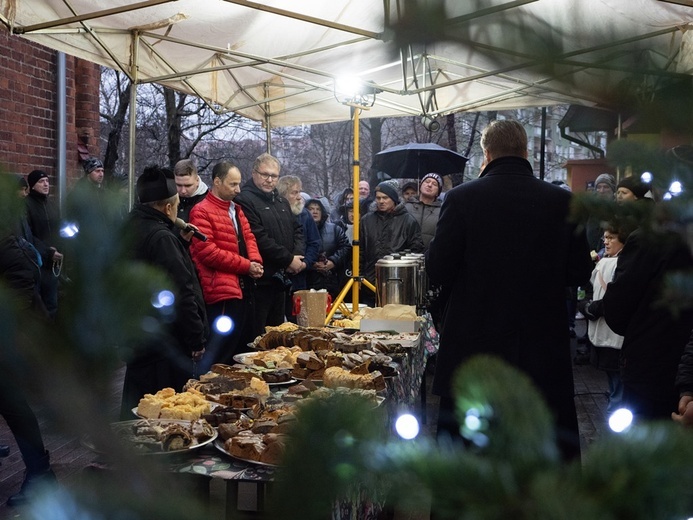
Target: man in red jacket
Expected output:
[228,263]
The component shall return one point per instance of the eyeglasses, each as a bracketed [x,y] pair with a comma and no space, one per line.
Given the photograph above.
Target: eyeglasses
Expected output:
[609,238]
[267,176]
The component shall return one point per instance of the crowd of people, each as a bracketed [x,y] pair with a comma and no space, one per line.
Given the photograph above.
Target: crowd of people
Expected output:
[234,253]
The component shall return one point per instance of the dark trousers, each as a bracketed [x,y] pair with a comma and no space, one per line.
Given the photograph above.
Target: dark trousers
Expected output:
[22,422]
[149,374]
[269,307]
[222,346]
[49,290]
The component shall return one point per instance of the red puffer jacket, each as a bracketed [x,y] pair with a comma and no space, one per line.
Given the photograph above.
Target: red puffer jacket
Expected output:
[217,260]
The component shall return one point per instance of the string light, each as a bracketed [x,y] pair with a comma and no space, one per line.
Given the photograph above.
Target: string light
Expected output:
[621,420]
[407,426]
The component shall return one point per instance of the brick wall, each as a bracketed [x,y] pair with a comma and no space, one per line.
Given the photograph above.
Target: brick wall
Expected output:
[28,108]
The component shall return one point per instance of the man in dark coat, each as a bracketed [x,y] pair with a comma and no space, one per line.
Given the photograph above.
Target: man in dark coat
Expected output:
[389,229]
[654,337]
[503,241]
[279,240]
[166,357]
[43,217]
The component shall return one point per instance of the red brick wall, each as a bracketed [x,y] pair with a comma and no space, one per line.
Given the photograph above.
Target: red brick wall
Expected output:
[28,108]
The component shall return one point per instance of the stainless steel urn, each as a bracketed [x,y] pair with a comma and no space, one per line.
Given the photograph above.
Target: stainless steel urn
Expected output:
[396,281]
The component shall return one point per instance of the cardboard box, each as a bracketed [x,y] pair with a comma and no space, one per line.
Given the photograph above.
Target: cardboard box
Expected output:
[396,325]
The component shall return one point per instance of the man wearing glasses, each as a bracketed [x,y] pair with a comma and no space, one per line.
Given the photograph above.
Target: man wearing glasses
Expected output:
[279,240]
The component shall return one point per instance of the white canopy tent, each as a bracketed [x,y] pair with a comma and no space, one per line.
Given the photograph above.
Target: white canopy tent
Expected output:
[276,61]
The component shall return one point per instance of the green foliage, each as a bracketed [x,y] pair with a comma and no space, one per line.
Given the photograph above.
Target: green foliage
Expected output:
[326,457]
[643,474]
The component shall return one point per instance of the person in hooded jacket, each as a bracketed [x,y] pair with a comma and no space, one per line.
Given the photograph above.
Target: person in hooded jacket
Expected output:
[426,209]
[389,229]
[335,250]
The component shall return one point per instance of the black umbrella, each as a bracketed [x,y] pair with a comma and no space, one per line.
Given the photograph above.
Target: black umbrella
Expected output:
[414,160]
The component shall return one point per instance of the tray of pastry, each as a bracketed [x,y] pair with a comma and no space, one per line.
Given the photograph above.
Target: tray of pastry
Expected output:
[160,436]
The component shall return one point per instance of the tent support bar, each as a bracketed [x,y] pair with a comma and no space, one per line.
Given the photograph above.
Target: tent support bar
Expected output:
[575,140]
[89,16]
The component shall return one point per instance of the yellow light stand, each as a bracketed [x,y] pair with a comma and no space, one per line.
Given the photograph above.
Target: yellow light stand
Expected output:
[355,281]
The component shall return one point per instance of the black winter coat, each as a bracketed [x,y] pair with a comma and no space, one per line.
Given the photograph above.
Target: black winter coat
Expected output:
[277,231]
[156,242]
[386,233]
[43,217]
[19,269]
[653,338]
[505,252]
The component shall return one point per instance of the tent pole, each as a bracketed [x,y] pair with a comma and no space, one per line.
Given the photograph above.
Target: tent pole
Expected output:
[133,119]
[268,121]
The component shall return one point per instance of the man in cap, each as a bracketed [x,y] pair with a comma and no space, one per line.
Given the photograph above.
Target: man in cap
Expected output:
[484,254]
[279,238]
[88,191]
[389,229]
[43,217]
[166,356]
[426,209]
[191,189]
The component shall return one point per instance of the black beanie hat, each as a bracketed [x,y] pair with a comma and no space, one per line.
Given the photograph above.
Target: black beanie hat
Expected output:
[35,176]
[91,164]
[156,184]
[388,189]
[635,185]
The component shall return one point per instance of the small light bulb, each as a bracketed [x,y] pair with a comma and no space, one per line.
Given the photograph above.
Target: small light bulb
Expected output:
[675,188]
[407,426]
[163,299]
[223,325]
[69,230]
[646,177]
[620,420]
[667,196]
[472,422]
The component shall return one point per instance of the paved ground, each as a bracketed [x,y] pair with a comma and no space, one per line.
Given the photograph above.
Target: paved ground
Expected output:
[69,458]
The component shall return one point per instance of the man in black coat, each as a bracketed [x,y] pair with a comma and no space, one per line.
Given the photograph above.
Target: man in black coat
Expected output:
[279,239]
[43,217]
[505,252]
[166,357]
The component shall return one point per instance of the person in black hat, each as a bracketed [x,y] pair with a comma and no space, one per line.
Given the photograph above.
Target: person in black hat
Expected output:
[389,229]
[43,218]
[409,191]
[167,356]
[88,191]
[630,189]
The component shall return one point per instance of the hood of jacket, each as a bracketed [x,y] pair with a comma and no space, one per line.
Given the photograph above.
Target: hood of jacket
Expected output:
[323,212]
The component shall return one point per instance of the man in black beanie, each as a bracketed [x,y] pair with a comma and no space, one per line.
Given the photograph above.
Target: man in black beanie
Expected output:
[166,356]
[43,217]
[88,191]
[389,229]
